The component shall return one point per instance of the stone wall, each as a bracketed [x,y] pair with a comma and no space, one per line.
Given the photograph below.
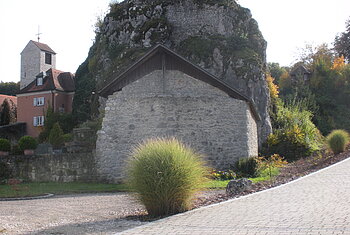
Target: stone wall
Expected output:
[53,167]
[219,127]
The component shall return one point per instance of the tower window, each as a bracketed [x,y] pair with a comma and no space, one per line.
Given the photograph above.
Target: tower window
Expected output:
[48,58]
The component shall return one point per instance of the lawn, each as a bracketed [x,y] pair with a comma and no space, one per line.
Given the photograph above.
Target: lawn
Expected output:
[35,189]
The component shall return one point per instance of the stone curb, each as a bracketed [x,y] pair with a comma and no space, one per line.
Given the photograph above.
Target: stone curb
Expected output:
[234,199]
[26,198]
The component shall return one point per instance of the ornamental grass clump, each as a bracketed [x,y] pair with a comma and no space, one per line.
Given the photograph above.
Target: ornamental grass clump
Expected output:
[337,140]
[165,174]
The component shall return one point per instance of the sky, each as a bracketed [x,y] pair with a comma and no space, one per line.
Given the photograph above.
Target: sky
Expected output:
[67,26]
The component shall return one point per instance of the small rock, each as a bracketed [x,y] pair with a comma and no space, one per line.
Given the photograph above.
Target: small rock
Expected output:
[238,186]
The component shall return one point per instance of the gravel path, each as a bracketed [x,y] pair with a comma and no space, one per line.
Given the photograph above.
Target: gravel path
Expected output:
[103,213]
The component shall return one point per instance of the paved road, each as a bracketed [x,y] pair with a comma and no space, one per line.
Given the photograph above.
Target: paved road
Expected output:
[316,204]
[69,215]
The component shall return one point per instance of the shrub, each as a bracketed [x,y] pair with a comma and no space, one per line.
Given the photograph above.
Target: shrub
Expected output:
[5,172]
[269,164]
[5,145]
[295,136]
[247,167]
[337,140]
[27,142]
[67,137]
[166,174]
[56,136]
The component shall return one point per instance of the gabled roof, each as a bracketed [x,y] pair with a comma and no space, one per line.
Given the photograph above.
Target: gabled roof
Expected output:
[161,57]
[300,69]
[43,47]
[54,80]
[8,97]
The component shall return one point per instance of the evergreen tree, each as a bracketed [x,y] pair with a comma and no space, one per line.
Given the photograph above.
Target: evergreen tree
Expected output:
[342,42]
[5,116]
[56,136]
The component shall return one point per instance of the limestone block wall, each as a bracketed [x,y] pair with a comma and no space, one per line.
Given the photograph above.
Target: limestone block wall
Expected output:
[67,167]
[219,127]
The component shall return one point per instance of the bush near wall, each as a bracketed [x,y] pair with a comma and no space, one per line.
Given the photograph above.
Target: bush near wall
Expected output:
[27,142]
[5,145]
[295,136]
[166,174]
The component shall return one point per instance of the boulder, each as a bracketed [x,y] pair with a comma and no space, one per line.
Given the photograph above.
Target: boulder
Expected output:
[238,186]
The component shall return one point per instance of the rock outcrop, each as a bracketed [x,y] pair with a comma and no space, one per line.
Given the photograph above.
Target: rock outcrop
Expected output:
[218,35]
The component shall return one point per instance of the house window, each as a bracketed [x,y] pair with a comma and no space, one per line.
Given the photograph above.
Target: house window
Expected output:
[61,109]
[39,81]
[48,58]
[40,101]
[38,121]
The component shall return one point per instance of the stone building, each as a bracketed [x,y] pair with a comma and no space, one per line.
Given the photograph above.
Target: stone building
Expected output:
[165,95]
[36,57]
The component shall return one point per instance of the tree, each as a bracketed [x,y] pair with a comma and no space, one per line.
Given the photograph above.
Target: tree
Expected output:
[65,121]
[342,42]
[276,71]
[5,116]
[9,88]
[56,136]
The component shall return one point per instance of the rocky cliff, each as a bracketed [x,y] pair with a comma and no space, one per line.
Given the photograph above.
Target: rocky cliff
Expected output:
[218,35]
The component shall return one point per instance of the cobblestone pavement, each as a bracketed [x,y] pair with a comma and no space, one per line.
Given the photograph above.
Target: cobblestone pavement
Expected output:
[316,204]
[75,214]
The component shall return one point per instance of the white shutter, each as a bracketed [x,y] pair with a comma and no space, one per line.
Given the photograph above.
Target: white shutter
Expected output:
[35,101]
[35,121]
[43,100]
[42,120]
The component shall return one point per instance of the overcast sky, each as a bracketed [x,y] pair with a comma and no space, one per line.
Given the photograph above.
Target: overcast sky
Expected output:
[67,27]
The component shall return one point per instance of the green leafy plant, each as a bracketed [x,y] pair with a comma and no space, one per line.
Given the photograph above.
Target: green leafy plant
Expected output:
[247,167]
[270,163]
[295,136]
[222,175]
[165,174]
[337,140]
[27,142]
[67,137]
[64,119]
[56,136]
[5,145]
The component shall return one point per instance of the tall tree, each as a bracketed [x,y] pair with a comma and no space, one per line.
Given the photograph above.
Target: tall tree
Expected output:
[5,116]
[342,42]
[9,88]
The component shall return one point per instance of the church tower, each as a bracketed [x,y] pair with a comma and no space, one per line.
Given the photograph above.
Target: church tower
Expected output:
[36,57]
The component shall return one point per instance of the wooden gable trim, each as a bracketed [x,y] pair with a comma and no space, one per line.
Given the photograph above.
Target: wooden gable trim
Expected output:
[161,58]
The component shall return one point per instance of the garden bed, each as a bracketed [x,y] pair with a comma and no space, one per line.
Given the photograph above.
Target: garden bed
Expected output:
[288,173]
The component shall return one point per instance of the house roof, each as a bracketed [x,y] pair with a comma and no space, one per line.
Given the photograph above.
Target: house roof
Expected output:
[54,80]
[3,97]
[43,47]
[161,57]
[300,69]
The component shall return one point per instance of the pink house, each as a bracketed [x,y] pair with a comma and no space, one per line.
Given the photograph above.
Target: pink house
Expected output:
[52,88]
[42,86]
